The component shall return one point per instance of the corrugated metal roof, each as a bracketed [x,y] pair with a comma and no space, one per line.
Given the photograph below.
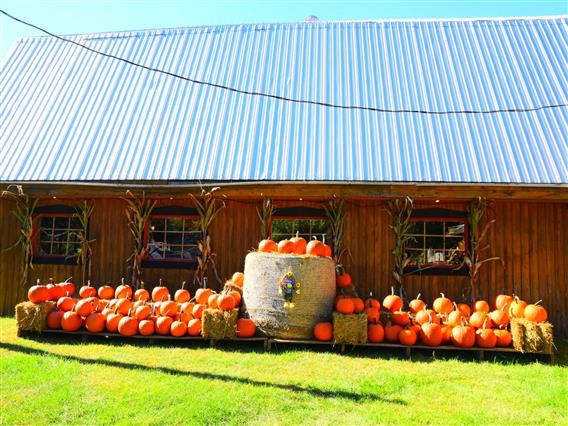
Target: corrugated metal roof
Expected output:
[70,115]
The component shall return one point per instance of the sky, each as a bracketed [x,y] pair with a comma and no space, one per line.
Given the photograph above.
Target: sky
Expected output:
[84,16]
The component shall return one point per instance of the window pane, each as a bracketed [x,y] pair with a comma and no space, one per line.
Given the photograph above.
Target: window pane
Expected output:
[174,224]
[174,237]
[454,228]
[434,228]
[61,222]
[417,227]
[156,225]
[307,228]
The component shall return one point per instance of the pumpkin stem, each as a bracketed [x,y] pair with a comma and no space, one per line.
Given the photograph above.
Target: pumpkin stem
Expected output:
[141,284]
[442,294]
[392,291]
[122,280]
[51,281]
[89,283]
[68,279]
[38,282]
[540,300]
[183,285]
[418,297]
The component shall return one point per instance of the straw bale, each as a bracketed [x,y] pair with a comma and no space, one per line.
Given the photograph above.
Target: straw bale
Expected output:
[33,316]
[218,324]
[350,329]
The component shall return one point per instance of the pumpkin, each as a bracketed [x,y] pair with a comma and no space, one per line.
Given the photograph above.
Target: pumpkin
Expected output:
[246,327]
[123,291]
[226,302]
[71,321]
[464,309]
[416,305]
[502,302]
[142,312]
[455,317]
[106,292]
[431,334]
[323,331]
[463,336]
[373,315]
[146,327]
[197,310]
[38,293]
[345,306]
[69,287]
[84,307]
[504,338]
[178,328]
[87,291]
[184,317]
[237,296]
[182,295]
[499,318]
[267,246]
[485,338]
[285,246]
[426,315]
[194,327]
[359,305]
[391,332]
[123,306]
[107,311]
[112,321]
[238,279]
[517,308]
[128,326]
[160,293]
[415,327]
[186,307]
[55,290]
[315,248]
[163,325]
[446,333]
[168,308]
[202,294]
[54,319]
[212,301]
[375,332]
[372,303]
[142,294]
[481,306]
[401,318]
[535,313]
[477,319]
[392,302]
[443,305]
[95,322]
[66,303]
[300,244]
[407,337]
[343,280]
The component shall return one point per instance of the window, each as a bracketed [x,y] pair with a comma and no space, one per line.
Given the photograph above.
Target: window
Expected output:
[309,222]
[439,241]
[172,239]
[56,235]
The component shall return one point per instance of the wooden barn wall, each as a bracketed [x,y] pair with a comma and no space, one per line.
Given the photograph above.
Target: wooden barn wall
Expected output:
[529,236]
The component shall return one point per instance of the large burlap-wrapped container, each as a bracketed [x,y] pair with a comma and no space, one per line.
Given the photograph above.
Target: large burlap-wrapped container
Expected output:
[265,304]
[33,316]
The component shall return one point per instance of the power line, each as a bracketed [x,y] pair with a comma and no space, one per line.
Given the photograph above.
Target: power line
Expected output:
[284,98]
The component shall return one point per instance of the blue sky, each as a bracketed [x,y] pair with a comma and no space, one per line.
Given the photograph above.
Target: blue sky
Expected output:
[81,16]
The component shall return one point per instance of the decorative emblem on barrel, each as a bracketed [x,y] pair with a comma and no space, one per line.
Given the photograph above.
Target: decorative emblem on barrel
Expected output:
[289,287]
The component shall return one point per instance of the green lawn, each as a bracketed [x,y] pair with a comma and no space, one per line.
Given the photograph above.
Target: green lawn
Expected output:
[61,380]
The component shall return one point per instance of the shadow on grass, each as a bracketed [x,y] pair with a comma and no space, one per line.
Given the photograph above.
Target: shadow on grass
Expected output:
[313,391]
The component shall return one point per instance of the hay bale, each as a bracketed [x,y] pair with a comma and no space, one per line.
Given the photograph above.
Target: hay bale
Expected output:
[349,329]
[533,340]
[33,316]
[270,310]
[217,324]
[518,334]
[529,336]
[547,336]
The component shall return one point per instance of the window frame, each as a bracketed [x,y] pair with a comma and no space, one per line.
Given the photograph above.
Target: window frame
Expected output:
[167,263]
[440,268]
[50,259]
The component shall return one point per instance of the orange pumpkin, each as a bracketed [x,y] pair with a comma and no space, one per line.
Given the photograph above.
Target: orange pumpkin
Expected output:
[238,279]
[55,290]
[373,315]
[66,304]
[426,315]
[502,302]
[300,244]
[194,327]
[375,332]
[146,327]
[182,295]
[95,322]
[359,305]
[431,334]
[184,317]
[454,318]
[142,312]
[163,325]
[499,318]
[186,307]
[69,287]
[212,301]
[323,331]
[87,291]
[485,338]
[123,291]
[407,337]
[84,307]
[38,293]
[446,333]
[477,319]
[178,328]
[372,303]
[481,306]
[392,302]
[315,248]
[463,336]
[128,326]
[343,280]
[285,246]
[168,308]
[443,305]
[197,310]
[141,294]
[517,308]
[237,296]
[416,305]
[326,251]
[71,321]
[123,306]
[112,321]
[535,313]
[391,332]
[464,309]
[400,318]
[54,319]
[202,295]
[246,327]
[345,306]
[267,246]
[226,302]
[160,293]
[504,338]
[106,292]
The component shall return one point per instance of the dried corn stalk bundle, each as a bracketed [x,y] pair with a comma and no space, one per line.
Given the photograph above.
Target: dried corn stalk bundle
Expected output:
[33,316]
[218,324]
[349,329]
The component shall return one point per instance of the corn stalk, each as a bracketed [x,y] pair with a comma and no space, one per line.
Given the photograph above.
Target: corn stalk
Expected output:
[208,207]
[85,252]
[265,215]
[335,212]
[24,212]
[138,211]
[400,212]
[474,257]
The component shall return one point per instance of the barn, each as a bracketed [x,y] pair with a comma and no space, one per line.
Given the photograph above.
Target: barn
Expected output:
[367,112]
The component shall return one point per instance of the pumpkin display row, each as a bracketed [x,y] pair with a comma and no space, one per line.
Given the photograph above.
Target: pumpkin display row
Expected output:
[296,245]
[447,323]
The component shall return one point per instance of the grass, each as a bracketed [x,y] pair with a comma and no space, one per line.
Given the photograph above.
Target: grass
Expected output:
[62,380]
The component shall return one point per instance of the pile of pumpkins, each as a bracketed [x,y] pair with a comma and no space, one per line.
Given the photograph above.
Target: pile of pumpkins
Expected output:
[447,323]
[131,312]
[296,245]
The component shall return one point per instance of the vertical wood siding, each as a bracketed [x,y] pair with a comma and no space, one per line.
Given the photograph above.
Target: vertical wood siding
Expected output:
[529,236]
